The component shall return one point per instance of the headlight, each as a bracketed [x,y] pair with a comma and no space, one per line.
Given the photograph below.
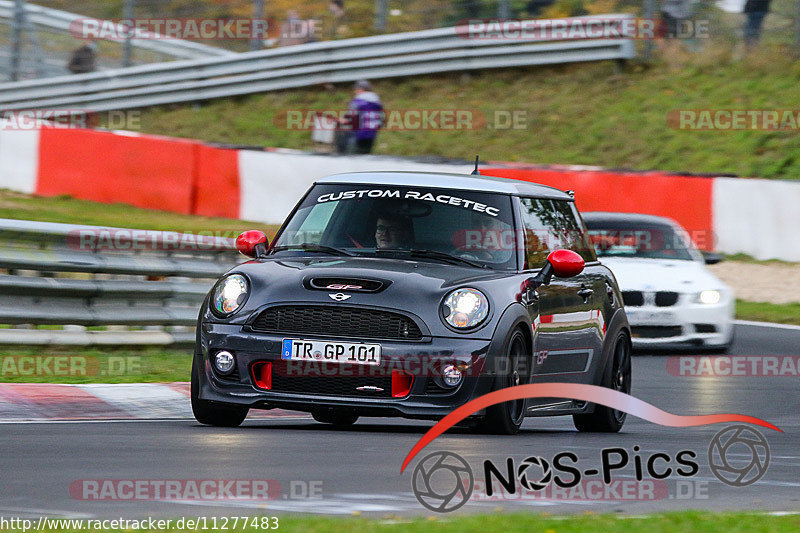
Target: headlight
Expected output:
[465,308]
[709,297]
[229,295]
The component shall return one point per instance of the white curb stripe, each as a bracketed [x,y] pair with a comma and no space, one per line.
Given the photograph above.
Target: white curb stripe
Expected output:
[143,400]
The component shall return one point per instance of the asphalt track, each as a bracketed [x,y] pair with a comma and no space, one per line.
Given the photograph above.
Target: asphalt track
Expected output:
[358,469]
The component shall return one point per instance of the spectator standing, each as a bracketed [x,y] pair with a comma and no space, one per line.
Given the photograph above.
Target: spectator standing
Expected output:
[755,11]
[366,118]
[83,58]
[673,15]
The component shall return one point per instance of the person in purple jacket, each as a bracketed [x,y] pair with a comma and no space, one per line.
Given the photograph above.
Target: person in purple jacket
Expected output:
[366,118]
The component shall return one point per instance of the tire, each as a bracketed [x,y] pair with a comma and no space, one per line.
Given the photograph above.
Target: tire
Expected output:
[617,377]
[210,413]
[506,418]
[336,418]
[718,350]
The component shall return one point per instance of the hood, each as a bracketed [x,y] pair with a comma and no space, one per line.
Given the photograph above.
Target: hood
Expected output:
[662,275]
[416,287]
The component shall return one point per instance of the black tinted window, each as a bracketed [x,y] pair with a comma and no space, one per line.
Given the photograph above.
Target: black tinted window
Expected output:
[376,219]
[551,225]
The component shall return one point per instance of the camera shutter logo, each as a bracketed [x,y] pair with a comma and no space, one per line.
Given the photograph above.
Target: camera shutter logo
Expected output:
[739,455]
[528,466]
[443,482]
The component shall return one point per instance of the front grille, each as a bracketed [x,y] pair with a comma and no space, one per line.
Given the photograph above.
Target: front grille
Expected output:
[432,388]
[705,328]
[306,380]
[655,332]
[633,298]
[338,321]
[666,298]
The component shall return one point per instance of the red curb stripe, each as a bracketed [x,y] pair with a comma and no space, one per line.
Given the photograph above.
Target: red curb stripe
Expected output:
[44,400]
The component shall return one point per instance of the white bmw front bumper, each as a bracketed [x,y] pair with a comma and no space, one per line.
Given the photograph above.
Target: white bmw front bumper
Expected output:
[686,322]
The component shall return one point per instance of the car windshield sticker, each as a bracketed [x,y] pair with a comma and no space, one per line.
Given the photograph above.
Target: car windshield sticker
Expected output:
[411,195]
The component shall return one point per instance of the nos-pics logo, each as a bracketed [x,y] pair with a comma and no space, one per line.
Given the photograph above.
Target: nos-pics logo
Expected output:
[443,481]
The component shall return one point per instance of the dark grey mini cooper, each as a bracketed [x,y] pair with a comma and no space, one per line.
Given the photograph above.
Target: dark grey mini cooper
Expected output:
[409,294]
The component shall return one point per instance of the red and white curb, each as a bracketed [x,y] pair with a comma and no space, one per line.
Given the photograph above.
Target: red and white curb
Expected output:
[33,402]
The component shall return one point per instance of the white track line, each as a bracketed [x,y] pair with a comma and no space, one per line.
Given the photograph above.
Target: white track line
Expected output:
[766,324]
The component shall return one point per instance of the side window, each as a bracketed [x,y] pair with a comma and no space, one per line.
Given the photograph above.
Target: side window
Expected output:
[535,214]
[550,225]
[313,226]
[571,230]
[586,248]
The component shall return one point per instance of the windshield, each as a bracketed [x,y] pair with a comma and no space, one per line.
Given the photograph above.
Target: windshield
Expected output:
[637,239]
[437,225]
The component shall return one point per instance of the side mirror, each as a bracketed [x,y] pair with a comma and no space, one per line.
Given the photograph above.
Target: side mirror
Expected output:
[252,243]
[711,258]
[561,263]
[566,263]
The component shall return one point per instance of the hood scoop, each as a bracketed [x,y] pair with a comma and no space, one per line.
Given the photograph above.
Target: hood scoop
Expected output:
[343,284]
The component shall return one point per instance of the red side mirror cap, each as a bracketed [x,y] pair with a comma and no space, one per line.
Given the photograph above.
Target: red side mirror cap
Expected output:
[247,241]
[566,263]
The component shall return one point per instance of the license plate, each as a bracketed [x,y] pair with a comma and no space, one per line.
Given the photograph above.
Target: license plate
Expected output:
[331,352]
[651,317]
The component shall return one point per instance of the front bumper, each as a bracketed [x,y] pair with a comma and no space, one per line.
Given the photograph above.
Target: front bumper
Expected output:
[421,359]
[685,323]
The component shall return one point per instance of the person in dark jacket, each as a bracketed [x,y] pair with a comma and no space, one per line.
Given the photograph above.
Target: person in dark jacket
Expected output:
[366,118]
[755,11]
[83,58]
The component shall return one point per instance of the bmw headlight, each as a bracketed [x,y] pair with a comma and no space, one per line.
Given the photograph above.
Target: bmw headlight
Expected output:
[229,295]
[710,297]
[465,308]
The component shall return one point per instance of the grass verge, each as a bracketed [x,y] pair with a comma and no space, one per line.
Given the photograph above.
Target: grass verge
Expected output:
[767,312]
[680,522]
[585,114]
[69,210]
[93,365]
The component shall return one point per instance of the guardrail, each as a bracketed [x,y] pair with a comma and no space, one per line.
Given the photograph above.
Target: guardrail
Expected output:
[78,276]
[383,56]
[62,20]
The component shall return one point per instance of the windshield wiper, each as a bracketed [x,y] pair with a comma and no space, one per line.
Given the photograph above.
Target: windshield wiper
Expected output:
[309,247]
[433,254]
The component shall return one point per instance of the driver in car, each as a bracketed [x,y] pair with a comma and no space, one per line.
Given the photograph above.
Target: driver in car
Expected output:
[393,231]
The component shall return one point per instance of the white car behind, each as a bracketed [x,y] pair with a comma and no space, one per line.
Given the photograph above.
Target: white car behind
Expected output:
[670,297]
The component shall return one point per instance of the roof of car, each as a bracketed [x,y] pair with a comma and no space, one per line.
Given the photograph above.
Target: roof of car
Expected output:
[596,216]
[444,180]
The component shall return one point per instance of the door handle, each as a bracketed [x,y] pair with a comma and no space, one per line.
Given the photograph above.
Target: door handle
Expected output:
[585,293]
